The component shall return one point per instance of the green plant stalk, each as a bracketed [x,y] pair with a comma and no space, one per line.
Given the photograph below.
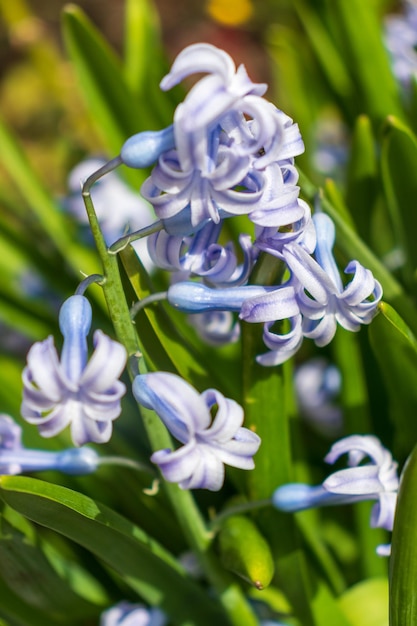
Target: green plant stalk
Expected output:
[355,404]
[230,594]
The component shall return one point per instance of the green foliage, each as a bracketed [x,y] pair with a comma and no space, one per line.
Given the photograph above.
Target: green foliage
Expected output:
[65,556]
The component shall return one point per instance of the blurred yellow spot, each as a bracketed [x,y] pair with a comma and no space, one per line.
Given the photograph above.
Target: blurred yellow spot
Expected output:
[230,12]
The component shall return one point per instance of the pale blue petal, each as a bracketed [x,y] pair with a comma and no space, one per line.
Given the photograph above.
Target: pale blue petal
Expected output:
[179,405]
[74,322]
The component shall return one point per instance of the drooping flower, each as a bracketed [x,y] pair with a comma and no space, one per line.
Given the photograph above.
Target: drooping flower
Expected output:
[225,135]
[15,459]
[127,614]
[208,443]
[201,255]
[376,480]
[323,300]
[70,390]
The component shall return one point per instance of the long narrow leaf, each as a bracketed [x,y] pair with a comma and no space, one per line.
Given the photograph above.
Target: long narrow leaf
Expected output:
[144,565]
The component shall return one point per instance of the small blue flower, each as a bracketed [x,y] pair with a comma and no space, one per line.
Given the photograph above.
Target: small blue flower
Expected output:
[201,255]
[377,480]
[127,614]
[228,139]
[322,299]
[72,391]
[255,304]
[208,443]
[15,459]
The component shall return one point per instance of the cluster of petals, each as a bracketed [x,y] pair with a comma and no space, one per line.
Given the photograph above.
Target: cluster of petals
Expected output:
[376,480]
[208,443]
[226,139]
[73,390]
[201,255]
[16,459]
[310,304]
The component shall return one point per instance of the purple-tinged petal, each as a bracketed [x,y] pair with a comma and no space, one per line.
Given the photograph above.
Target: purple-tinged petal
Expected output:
[282,346]
[45,370]
[105,365]
[84,429]
[278,304]
[179,405]
[49,425]
[216,328]
[143,149]
[228,419]
[10,433]
[383,511]
[74,323]
[192,297]
[309,273]
[355,480]
[178,465]
[199,58]
[238,452]
[326,233]
[208,473]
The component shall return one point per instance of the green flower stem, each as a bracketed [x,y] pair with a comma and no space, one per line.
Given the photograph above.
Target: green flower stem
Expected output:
[230,594]
[354,397]
[124,241]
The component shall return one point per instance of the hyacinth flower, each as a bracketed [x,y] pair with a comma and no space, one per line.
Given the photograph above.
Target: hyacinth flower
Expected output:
[127,614]
[214,170]
[216,328]
[15,459]
[72,390]
[208,443]
[323,300]
[376,480]
[400,41]
[317,384]
[202,255]
[255,304]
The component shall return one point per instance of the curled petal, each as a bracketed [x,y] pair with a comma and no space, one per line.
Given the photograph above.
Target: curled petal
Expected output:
[239,451]
[105,365]
[51,424]
[228,418]
[383,511]
[45,371]
[355,480]
[84,429]
[179,406]
[208,473]
[178,465]
[282,346]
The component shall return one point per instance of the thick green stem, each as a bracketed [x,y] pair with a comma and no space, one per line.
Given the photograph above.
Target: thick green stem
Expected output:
[230,594]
